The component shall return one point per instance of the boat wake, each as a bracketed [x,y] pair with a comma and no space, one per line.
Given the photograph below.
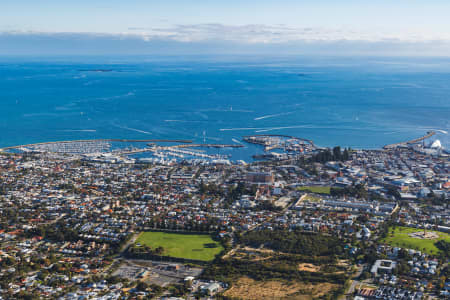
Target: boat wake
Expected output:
[237,141]
[134,129]
[272,116]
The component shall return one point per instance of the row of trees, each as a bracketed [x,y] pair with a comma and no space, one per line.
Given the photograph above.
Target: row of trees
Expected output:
[357,191]
[57,232]
[297,242]
[147,250]
[229,270]
[336,154]
[160,223]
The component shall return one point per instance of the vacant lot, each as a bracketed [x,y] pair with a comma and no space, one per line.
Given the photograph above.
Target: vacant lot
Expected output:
[401,238]
[308,267]
[247,288]
[311,198]
[316,189]
[189,246]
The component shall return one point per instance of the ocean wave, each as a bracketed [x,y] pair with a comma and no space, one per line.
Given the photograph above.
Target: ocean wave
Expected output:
[241,128]
[285,127]
[184,121]
[212,138]
[227,110]
[129,94]
[78,130]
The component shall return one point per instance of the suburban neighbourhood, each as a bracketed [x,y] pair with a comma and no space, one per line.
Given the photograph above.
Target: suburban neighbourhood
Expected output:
[319,223]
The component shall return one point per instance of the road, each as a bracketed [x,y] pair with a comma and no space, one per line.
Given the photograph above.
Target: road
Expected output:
[128,244]
[120,255]
[355,282]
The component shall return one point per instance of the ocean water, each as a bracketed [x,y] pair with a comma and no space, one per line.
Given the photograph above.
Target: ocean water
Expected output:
[358,102]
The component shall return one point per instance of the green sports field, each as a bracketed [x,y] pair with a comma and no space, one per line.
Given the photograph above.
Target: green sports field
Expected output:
[189,246]
[400,238]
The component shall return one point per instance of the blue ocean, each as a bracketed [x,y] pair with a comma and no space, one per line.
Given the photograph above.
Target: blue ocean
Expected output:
[352,102]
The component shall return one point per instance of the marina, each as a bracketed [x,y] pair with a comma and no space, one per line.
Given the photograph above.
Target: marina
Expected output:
[112,150]
[57,145]
[286,143]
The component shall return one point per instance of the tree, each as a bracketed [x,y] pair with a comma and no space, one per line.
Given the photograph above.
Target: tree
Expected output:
[337,153]
[142,286]
[159,250]
[442,282]
[345,155]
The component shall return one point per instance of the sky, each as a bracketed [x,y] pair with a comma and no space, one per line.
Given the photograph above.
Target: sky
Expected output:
[402,27]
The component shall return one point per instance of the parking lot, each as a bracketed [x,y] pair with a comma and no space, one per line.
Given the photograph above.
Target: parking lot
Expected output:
[155,272]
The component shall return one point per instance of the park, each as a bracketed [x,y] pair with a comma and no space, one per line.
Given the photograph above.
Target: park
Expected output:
[179,245]
[414,238]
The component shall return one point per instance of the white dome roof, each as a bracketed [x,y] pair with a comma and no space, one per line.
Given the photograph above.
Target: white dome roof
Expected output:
[436,144]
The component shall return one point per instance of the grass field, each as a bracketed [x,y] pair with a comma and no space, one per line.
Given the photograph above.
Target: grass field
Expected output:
[316,189]
[189,246]
[400,238]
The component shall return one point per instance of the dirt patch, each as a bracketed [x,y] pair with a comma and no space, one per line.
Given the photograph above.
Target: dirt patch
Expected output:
[424,235]
[261,250]
[251,254]
[239,252]
[308,268]
[247,288]
[343,263]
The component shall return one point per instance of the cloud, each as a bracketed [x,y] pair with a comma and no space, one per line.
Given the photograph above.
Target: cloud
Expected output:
[257,33]
[225,39]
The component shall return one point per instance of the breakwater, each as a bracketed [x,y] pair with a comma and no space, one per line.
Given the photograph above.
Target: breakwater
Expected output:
[414,141]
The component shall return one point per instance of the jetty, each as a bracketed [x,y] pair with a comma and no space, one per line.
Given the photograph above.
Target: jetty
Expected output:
[415,141]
